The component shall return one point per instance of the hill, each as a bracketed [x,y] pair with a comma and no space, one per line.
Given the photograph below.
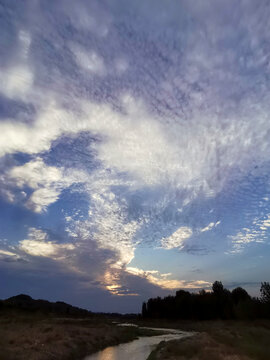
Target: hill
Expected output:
[25,303]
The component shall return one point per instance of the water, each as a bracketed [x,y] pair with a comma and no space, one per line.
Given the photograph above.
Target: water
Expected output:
[138,349]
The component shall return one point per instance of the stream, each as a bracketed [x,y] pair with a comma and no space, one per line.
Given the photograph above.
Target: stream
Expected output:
[138,349]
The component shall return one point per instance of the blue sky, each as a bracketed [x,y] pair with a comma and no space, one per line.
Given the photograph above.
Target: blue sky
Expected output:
[134,148]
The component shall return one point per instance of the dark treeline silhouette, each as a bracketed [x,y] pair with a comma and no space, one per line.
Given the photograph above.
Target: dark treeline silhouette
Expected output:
[220,303]
[25,303]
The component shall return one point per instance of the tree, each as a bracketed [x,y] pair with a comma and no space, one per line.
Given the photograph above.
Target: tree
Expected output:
[218,288]
[144,310]
[265,292]
[218,304]
[239,294]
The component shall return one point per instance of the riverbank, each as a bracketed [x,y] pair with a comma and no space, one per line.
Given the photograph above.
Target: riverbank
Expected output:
[39,337]
[217,340]
[28,337]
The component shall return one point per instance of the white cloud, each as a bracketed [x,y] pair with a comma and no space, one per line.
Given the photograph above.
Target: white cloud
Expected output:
[5,252]
[41,198]
[265,222]
[35,173]
[177,239]
[16,81]
[159,279]
[107,224]
[255,234]
[6,255]
[210,226]
[46,181]
[32,138]
[89,60]
[166,275]
[47,249]
[25,42]
[148,150]
[39,245]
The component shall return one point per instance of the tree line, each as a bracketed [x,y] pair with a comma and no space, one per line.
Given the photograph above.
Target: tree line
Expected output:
[220,303]
[25,303]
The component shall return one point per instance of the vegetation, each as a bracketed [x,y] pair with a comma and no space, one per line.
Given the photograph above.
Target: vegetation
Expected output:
[220,303]
[217,340]
[25,303]
[42,330]
[28,335]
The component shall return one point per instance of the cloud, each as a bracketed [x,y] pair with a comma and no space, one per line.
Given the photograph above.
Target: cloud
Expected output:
[38,244]
[46,181]
[101,272]
[16,82]
[87,17]
[161,280]
[210,226]
[34,174]
[17,79]
[121,65]
[29,138]
[107,225]
[255,234]
[25,43]
[89,60]
[41,198]
[175,110]
[177,239]
[9,256]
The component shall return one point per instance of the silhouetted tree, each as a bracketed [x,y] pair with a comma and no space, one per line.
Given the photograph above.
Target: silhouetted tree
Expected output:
[265,292]
[144,310]
[239,294]
[265,300]
[220,303]
[217,288]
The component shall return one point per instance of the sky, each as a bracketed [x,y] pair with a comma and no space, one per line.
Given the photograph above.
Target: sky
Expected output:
[134,148]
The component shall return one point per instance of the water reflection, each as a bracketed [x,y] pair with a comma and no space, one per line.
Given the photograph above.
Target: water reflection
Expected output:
[107,354]
[136,350]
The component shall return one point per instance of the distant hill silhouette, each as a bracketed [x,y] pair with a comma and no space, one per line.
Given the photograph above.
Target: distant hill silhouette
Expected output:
[26,303]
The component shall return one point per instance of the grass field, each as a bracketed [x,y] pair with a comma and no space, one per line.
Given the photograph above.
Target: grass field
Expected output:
[39,337]
[217,340]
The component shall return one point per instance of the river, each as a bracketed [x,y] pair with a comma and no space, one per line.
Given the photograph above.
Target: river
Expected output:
[138,349]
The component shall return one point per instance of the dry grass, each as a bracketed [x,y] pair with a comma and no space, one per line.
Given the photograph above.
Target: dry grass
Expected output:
[218,340]
[39,338]
[199,347]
